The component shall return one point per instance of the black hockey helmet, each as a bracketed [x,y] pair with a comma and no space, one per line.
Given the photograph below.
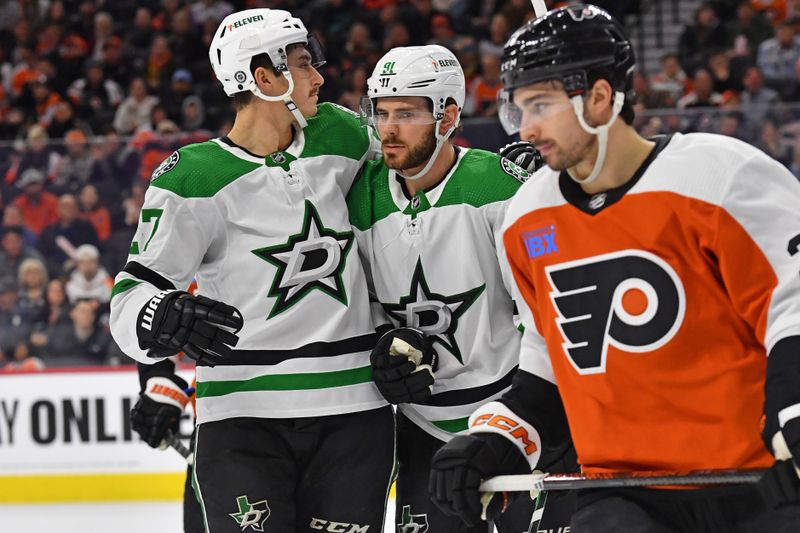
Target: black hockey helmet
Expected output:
[567,44]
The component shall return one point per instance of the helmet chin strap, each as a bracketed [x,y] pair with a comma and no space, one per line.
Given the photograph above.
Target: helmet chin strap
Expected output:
[286,98]
[600,131]
[440,140]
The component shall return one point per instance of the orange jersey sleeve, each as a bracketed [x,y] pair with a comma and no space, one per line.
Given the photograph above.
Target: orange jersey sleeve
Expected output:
[655,304]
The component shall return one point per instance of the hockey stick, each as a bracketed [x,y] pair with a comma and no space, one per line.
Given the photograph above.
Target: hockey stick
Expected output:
[540,481]
[176,444]
[539,7]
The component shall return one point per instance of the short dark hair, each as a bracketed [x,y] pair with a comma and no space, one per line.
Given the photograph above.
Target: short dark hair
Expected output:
[627,113]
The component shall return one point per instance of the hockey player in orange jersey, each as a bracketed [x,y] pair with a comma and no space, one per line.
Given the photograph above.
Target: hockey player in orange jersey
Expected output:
[659,285]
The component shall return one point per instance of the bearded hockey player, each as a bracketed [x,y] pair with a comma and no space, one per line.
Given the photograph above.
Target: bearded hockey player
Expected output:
[290,425]
[657,281]
[426,218]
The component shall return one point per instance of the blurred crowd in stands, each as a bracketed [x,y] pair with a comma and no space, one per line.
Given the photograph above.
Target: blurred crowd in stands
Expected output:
[94,94]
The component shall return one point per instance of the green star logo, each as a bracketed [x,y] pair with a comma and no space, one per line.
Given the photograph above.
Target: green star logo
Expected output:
[251,515]
[314,258]
[434,314]
[412,523]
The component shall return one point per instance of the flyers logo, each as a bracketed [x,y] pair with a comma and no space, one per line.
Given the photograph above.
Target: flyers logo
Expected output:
[632,300]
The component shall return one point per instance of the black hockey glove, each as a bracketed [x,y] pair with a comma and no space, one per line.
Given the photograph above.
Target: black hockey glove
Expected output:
[159,409]
[459,467]
[403,362]
[780,485]
[174,321]
[523,154]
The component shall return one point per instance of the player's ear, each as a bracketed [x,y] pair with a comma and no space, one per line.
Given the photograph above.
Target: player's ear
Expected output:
[450,115]
[599,98]
[265,80]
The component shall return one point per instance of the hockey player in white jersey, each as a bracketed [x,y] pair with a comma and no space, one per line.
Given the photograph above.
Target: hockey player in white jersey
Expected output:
[292,434]
[426,218]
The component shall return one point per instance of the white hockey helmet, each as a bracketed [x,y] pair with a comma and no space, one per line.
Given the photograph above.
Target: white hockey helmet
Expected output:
[432,72]
[251,32]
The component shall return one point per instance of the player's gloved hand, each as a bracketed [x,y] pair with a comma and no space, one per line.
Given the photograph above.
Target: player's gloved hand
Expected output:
[523,154]
[458,469]
[159,409]
[174,321]
[403,362]
[780,485]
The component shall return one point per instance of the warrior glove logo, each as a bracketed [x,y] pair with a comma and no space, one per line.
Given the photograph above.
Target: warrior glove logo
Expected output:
[632,300]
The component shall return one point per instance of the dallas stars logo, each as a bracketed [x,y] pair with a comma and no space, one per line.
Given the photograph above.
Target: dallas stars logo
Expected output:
[252,515]
[434,314]
[312,259]
[412,523]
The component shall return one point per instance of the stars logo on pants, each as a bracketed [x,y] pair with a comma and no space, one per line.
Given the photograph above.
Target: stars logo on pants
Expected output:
[434,314]
[251,515]
[314,258]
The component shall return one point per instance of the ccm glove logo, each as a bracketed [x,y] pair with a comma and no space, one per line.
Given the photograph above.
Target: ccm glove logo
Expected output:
[496,417]
[632,300]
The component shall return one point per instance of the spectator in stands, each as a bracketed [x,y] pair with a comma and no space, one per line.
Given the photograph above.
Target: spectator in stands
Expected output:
[777,57]
[645,97]
[45,100]
[757,100]
[356,83]
[719,65]
[115,64]
[159,62]
[13,252]
[139,38]
[749,29]
[481,97]
[12,218]
[64,120]
[81,340]
[32,282]
[697,39]
[115,168]
[96,214]
[193,114]
[703,94]
[498,35]
[172,97]
[770,141]
[184,42]
[95,97]
[442,31]
[89,281]
[75,167]
[38,154]
[671,82]
[359,48]
[13,330]
[103,32]
[58,240]
[397,34]
[775,10]
[135,110]
[39,207]
[732,124]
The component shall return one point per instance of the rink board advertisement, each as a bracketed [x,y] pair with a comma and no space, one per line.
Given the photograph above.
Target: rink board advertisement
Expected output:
[66,436]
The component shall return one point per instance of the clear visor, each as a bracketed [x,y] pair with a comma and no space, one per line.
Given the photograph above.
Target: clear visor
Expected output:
[531,110]
[374,117]
[314,58]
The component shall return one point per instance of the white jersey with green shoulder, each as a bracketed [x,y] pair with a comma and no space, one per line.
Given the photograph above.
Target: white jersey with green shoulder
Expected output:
[271,237]
[433,265]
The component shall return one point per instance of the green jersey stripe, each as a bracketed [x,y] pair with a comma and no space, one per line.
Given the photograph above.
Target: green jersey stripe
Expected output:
[455,425]
[287,382]
[123,285]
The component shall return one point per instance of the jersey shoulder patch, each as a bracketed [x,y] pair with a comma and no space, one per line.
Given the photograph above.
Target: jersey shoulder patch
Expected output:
[199,170]
[482,178]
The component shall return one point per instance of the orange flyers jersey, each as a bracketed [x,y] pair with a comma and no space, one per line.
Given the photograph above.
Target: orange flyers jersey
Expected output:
[652,307]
